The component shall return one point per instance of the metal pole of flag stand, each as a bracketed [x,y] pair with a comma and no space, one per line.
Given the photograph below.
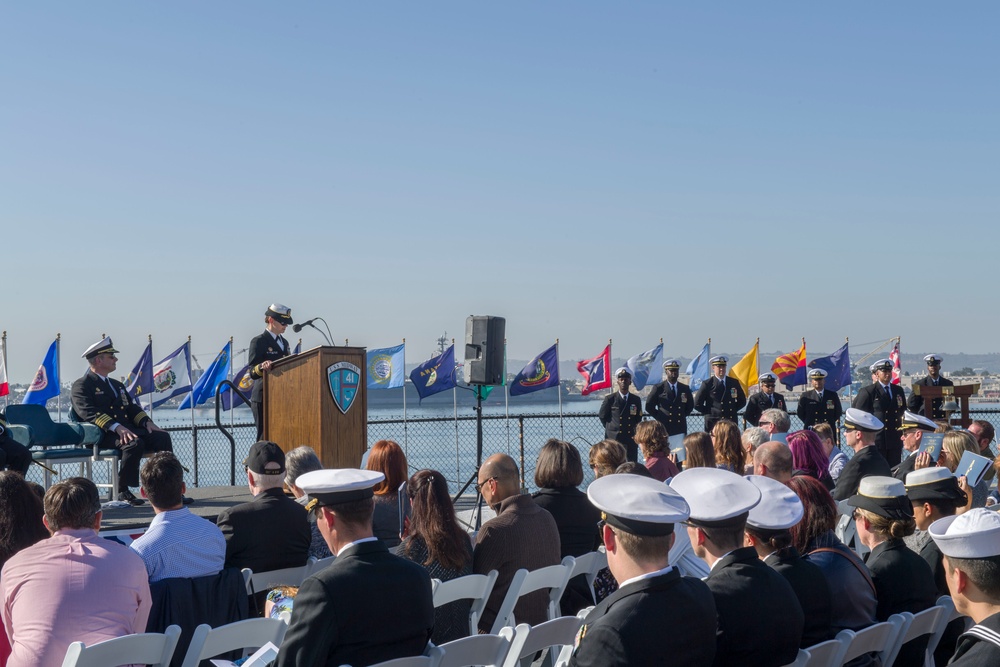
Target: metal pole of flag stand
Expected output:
[194,431]
[3,350]
[406,449]
[562,433]
[506,396]
[454,396]
[59,376]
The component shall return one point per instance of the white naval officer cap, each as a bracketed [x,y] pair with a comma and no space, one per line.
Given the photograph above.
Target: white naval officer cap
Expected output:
[279,312]
[100,347]
[932,359]
[975,534]
[817,373]
[881,365]
[716,496]
[913,420]
[779,508]
[638,505]
[767,377]
[859,420]
[332,487]
[719,360]
[623,371]
[671,363]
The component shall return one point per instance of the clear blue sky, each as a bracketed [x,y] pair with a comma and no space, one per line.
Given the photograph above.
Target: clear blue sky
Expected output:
[588,170]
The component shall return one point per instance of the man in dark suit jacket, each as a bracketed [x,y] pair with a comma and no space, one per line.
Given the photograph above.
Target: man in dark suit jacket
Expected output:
[760,618]
[820,405]
[620,413]
[933,378]
[368,606]
[861,429]
[719,397]
[765,399]
[271,532]
[661,618]
[887,402]
[912,428]
[670,402]
[265,349]
[104,402]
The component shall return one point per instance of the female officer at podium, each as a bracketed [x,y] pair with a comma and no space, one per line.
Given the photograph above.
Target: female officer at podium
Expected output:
[265,349]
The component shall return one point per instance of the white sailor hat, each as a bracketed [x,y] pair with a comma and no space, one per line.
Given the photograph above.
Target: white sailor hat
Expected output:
[975,534]
[332,487]
[933,359]
[716,496]
[671,363]
[816,373]
[881,365]
[767,377]
[779,509]
[913,420]
[885,496]
[623,371]
[934,484]
[859,420]
[281,313]
[638,505]
[719,360]
[100,347]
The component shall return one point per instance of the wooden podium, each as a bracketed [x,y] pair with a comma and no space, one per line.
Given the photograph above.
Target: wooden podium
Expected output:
[319,398]
[961,392]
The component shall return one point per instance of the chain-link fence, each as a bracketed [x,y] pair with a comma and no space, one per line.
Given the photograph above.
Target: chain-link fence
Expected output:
[445,444]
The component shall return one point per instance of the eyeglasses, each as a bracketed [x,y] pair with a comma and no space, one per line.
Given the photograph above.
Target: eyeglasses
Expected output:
[480,485]
[764,423]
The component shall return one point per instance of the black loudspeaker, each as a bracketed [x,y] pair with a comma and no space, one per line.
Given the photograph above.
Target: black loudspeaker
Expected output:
[484,336]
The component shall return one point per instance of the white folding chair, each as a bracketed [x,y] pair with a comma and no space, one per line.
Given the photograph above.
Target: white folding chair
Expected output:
[475,587]
[262,581]
[483,650]
[432,658]
[947,616]
[315,565]
[827,654]
[801,660]
[567,651]
[924,623]
[151,648]
[589,565]
[878,638]
[553,577]
[551,635]
[208,642]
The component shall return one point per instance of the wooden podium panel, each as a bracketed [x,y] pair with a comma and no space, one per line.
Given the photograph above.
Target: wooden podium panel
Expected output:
[300,408]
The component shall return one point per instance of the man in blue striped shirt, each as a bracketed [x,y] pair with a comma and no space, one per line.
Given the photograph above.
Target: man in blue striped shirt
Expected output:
[178,543]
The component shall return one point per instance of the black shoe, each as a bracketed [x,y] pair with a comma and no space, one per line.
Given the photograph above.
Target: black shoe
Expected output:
[188,501]
[128,497]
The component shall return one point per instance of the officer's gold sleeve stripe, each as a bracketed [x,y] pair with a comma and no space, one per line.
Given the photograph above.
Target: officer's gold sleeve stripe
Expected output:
[103,420]
[138,419]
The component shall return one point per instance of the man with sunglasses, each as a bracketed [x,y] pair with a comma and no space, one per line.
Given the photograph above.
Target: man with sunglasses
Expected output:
[103,401]
[933,378]
[766,399]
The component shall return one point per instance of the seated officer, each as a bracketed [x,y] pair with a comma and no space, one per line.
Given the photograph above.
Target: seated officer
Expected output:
[627,628]
[13,455]
[104,402]
[760,618]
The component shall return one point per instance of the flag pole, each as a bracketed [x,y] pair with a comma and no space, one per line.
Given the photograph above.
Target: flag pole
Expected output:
[192,389]
[231,377]
[506,396]
[3,343]
[562,434]
[454,396]
[59,375]
[149,337]
[405,434]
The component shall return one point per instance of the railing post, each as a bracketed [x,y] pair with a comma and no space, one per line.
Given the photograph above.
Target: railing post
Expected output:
[194,452]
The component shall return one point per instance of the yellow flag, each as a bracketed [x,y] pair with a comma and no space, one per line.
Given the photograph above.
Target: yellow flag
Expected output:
[745,371]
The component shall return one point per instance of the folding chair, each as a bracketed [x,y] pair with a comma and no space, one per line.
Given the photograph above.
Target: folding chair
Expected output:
[475,587]
[878,638]
[589,565]
[262,581]
[553,577]
[801,660]
[315,565]
[567,651]
[482,650]
[151,648]
[827,654]
[946,618]
[209,642]
[551,636]
[431,659]
[919,625]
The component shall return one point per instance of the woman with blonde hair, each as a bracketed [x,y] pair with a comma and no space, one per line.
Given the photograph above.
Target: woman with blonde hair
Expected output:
[729,454]
[654,444]
[605,457]
[953,447]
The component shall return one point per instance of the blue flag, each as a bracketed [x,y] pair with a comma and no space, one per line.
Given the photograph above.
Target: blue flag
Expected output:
[435,375]
[540,373]
[46,382]
[698,369]
[386,367]
[241,379]
[646,368]
[837,366]
[204,388]
[298,348]
[140,380]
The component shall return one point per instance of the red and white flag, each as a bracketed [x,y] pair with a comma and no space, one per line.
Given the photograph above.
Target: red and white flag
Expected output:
[894,358]
[596,372]
[4,385]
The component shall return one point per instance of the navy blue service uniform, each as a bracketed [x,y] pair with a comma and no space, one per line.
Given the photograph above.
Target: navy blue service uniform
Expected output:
[916,403]
[263,348]
[816,408]
[719,399]
[620,416]
[669,407]
[888,407]
[759,402]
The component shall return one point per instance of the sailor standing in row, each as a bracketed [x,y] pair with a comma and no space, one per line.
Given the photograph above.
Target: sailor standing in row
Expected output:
[819,404]
[670,402]
[265,349]
[765,399]
[719,397]
[620,413]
